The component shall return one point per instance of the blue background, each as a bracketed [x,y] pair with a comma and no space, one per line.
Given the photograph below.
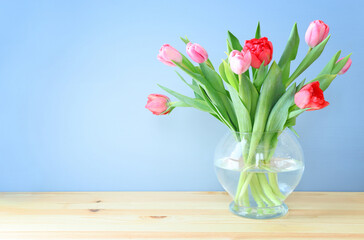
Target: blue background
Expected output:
[75,75]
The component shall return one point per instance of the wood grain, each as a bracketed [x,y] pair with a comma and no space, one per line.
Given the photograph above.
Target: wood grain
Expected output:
[174,215]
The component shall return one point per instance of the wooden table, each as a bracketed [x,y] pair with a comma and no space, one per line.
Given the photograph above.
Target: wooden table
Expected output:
[174,215]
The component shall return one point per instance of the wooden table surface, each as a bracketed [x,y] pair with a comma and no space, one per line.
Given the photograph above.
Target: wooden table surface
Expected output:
[174,215]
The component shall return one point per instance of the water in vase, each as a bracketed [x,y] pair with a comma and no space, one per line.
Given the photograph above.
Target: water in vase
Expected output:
[288,171]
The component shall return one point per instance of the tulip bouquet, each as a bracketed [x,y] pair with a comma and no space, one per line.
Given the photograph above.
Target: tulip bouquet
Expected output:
[250,93]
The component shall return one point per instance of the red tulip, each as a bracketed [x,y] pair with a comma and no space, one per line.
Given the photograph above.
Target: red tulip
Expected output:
[158,104]
[311,96]
[260,49]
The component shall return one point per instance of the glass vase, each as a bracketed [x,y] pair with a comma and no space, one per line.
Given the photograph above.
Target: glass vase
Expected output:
[259,171]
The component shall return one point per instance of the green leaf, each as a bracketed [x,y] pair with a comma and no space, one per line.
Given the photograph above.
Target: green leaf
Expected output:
[213,77]
[217,114]
[293,108]
[248,94]
[290,51]
[286,71]
[257,32]
[300,86]
[340,65]
[259,78]
[209,63]
[222,71]
[188,63]
[272,90]
[223,101]
[221,116]
[330,71]
[330,65]
[294,131]
[198,95]
[227,106]
[230,76]
[215,91]
[307,61]
[197,76]
[192,102]
[324,80]
[193,86]
[234,42]
[279,114]
[185,40]
[229,47]
[297,112]
[242,113]
[290,122]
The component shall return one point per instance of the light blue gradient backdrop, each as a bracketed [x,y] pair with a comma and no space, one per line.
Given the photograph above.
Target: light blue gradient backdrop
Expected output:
[75,75]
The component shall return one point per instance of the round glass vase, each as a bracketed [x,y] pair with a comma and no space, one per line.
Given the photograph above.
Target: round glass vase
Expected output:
[259,170]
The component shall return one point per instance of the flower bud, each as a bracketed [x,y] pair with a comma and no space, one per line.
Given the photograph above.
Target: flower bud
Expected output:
[346,66]
[316,32]
[167,54]
[196,52]
[239,61]
[158,104]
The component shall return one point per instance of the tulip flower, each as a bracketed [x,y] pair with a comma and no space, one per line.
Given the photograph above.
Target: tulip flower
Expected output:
[261,50]
[158,104]
[311,96]
[239,61]
[196,52]
[346,66]
[316,32]
[167,54]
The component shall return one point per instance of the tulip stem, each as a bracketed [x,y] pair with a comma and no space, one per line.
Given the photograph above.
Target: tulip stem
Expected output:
[273,182]
[263,192]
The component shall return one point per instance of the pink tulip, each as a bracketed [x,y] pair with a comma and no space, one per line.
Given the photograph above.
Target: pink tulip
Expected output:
[316,32]
[167,54]
[311,96]
[196,52]
[346,66]
[240,61]
[158,104]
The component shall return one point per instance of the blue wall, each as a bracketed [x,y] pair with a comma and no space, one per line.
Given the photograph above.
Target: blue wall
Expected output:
[75,75]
